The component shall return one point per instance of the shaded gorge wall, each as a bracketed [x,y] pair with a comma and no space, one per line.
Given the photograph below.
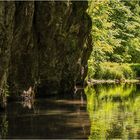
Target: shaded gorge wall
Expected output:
[44,45]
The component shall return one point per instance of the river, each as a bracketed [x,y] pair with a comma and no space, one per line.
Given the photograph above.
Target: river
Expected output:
[102,111]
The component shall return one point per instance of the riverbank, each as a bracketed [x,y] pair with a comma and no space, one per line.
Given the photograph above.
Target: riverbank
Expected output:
[96,81]
[108,72]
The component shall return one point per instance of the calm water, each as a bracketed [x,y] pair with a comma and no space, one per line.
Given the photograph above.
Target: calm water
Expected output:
[102,112]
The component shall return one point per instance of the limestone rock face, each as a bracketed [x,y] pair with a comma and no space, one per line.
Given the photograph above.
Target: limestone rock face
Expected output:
[44,44]
[7,10]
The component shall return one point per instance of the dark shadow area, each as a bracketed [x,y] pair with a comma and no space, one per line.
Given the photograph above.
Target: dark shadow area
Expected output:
[54,117]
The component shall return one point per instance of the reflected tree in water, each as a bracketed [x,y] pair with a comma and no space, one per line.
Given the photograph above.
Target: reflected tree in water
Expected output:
[114,112]
[28,103]
[28,98]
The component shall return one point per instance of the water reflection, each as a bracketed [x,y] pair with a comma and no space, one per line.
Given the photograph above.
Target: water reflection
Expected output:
[114,111]
[102,112]
[54,117]
[28,104]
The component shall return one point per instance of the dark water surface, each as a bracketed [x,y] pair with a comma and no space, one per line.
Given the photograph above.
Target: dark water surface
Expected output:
[102,112]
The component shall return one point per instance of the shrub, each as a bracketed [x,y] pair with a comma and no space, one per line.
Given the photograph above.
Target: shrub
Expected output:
[136,67]
[91,68]
[108,70]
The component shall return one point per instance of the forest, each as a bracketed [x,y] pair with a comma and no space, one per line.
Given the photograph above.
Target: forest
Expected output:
[115,38]
[70,69]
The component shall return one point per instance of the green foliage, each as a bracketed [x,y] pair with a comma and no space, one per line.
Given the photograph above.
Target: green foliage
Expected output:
[136,67]
[4,92]
[116,37]
[102,30]
[91,68]
[108,70]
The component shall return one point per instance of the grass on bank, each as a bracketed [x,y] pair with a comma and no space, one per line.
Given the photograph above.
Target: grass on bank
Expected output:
[112,71]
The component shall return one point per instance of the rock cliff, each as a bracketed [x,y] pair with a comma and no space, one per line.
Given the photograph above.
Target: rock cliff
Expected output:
[44,45]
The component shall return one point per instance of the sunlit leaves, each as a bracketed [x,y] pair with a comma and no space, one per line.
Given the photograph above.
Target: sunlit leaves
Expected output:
[115,30]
